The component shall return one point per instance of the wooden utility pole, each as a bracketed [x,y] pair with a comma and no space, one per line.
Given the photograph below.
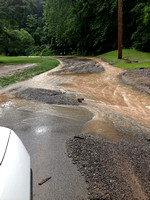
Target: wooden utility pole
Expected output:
[119,29]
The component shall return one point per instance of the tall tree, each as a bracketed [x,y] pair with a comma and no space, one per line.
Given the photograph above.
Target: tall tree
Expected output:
[85,26]
[11,11]
[58,15]
[141,35]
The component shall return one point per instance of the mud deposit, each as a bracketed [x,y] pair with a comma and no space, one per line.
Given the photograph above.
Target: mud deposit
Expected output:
[74,65]
[48,96]
[113,171]
[139,78]
[9,70]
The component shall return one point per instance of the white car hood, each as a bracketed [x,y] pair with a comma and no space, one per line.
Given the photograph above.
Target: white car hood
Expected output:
[4,139]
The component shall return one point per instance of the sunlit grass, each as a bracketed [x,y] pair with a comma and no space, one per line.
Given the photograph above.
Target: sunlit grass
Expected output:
[131,59]
[10,60]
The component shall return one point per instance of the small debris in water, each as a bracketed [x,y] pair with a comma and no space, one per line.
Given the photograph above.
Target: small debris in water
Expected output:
[148,139]
[79,137]
[80,100]
[44,180]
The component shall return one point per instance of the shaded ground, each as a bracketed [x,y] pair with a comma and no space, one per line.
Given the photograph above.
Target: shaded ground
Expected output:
[139,78]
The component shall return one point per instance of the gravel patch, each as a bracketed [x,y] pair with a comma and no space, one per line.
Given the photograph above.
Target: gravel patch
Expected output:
[112,171]
[139,78]
[48,96]
[79,66]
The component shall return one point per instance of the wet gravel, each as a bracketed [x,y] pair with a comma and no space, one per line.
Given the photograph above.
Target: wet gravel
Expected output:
[74,65]
[139,78]
[48,96]
[112,171]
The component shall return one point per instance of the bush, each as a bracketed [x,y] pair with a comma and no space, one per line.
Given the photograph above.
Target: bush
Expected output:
[34,51]
[40,51]
[15,42]
[48,52]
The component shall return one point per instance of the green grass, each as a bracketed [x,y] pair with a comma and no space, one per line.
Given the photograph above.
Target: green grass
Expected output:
[44,64]
[11,60]
[128,55]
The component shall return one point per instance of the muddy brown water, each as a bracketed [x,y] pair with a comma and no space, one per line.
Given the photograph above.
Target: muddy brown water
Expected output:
[106,90]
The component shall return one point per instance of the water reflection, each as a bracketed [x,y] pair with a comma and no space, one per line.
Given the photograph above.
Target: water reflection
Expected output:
[42,130]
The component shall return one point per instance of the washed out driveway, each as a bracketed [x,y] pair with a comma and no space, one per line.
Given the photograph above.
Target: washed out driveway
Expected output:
[109,156]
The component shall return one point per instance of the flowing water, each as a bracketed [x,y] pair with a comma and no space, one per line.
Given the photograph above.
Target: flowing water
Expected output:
[99,90]
[106,90]
[118,111]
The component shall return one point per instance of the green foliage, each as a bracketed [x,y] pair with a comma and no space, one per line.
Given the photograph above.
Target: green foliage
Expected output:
[31,23]
[11,60]
[15,42]
[91,26]
[57,14]
[33,50]
[74,26]
[41,51]
[141,36]
[48,52]
[11,11]
[82,26]
[34,26]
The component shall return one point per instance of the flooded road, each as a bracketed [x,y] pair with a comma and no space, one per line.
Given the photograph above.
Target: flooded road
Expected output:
[103,89]
[105,95]
[109,108]
[107,90]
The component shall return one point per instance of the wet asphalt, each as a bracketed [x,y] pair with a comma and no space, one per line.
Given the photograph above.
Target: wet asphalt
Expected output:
[44,129]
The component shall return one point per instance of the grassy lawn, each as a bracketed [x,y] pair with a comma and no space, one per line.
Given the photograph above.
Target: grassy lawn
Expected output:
[44,64]
[131,59]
